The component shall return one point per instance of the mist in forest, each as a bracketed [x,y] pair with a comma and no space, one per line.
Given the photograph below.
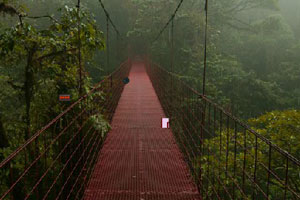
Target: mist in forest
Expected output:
[253,62]
[253,46]
[248,50]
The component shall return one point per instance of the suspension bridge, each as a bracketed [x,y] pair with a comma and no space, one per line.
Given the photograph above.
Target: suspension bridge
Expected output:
[206,154]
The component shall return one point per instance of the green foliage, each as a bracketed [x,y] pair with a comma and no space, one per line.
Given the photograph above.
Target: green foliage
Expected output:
[100,124]
[282,127]
[37,64]
[219,160]
[251,64]
[51,55]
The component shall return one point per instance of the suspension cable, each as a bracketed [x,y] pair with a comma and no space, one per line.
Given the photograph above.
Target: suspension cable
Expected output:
[109,19]
[170,20]
[172,46]
[205,48]
[172,64]
[79,48]
[107,45]
[200,188]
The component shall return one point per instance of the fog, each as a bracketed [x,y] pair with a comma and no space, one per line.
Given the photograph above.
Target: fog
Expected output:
[254,44]
[249,51]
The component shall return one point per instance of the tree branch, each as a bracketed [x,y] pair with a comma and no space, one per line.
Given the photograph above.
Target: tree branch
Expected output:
[43,16]
[39,59]
[14,86]
[240,28]
[7,9]
[239,6]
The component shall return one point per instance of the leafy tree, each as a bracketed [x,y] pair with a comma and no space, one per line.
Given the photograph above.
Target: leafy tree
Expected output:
[219,160]
[49,57]
[36,65]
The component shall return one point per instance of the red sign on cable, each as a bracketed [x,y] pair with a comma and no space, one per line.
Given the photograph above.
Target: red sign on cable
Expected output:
[65,97]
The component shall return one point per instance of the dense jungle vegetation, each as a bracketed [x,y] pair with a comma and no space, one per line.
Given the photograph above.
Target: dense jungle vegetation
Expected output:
[253,67]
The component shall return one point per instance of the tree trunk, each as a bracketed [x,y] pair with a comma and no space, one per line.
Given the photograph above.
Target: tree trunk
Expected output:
[3,138]
[28,91]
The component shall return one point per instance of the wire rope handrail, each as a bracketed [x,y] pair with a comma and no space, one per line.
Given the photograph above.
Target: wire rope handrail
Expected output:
[66,147]
[227,158]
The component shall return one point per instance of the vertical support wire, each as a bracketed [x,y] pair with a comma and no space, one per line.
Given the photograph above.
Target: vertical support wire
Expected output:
[118,49]
[244,160]
[79,48]
[255,169]
[79,63]
[172,68]
[234,159]
[227,147]
[203,91]
[208,150]
[203,105]
[107,45]
[11,178]
[286,178]
[220,149]
[213,145]
[108,21]
[269,169]
[205,47]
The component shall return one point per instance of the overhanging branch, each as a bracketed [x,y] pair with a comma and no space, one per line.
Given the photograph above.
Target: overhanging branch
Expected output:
[41,58]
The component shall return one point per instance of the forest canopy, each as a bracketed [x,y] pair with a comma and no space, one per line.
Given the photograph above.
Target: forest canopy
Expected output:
[253,62]
[253,50]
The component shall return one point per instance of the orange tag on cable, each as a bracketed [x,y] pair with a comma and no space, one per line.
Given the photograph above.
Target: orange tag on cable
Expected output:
[65,97]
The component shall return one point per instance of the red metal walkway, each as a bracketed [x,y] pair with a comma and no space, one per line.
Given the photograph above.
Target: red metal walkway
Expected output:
[139,159]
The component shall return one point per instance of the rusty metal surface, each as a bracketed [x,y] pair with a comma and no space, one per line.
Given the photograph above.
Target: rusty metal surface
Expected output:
[139,159]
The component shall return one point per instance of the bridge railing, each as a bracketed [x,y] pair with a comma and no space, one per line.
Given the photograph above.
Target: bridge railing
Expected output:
[227,159]
[57,161]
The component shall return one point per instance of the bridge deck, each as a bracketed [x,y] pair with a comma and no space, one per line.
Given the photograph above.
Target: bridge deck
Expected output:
[139,159]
